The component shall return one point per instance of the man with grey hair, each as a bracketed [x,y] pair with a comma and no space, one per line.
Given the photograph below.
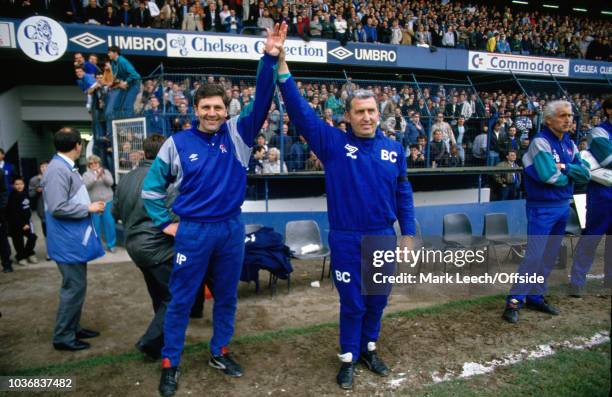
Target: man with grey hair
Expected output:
[552,166]
[367,191]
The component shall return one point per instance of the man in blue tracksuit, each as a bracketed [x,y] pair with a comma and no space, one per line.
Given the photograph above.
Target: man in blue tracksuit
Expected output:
[367,191]
[207,164]
[599,210]
[552,165]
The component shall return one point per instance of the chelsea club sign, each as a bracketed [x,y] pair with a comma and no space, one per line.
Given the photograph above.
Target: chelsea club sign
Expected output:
[42,39]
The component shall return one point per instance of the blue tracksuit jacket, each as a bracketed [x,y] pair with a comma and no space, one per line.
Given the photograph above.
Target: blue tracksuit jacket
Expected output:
[600,146]
[599,211]
[367,190]
[545,185]
[209,170]
[367,187]
[548,193]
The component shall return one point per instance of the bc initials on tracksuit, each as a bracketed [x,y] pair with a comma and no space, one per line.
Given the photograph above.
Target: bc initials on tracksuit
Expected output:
[367,191]
[209,171]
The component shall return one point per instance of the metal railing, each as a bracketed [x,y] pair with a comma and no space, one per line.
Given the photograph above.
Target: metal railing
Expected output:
[470,146]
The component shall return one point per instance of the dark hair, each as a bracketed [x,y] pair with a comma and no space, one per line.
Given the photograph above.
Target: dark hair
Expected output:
[607,102]
[208,90]
[511,151]
[413,146]
[17,178]
[421,137]
[258,148]
[79,67]
[260,134]
[151,145]
[2,151]
[43,162]
[66,139]
[114,49]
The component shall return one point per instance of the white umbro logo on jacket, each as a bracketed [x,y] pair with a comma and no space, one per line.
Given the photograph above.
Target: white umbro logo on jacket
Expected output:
[193,157]
[350,151]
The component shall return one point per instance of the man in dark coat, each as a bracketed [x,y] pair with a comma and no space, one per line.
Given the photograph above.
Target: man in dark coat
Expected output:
[150,249]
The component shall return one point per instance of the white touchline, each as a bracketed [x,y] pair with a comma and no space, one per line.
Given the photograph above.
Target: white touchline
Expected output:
[395,383]
[470,369]
[590,276]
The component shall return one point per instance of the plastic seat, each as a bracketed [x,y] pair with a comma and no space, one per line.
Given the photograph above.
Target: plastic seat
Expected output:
[457,230]
[497,232]
[457,234]
[572,227]
[300,234]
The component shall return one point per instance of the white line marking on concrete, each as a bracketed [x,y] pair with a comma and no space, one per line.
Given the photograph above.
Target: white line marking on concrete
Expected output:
[470,369]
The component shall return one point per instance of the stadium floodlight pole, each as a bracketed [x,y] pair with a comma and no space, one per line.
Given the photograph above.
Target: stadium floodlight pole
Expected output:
[348,82]
[489,131]
[161,76]
[427,162]
[539,111]
[574,106]
[607,79]
[281,126]
[475,91]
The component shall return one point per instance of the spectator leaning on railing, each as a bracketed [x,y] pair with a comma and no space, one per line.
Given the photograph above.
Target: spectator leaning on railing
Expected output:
[123,94]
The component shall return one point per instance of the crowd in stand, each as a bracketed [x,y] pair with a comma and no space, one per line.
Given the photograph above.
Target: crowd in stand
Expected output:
[408,115]
[420,23]
[438,126]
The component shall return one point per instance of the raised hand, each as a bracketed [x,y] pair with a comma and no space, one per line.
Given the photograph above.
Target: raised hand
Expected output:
[276,39]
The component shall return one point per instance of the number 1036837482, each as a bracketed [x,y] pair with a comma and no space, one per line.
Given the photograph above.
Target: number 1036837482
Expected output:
[36,383]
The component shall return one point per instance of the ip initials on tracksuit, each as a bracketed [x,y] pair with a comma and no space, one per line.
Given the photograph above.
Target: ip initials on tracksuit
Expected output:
[209,171]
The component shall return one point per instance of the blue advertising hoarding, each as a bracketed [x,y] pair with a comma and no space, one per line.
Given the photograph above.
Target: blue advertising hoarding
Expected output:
[46,40]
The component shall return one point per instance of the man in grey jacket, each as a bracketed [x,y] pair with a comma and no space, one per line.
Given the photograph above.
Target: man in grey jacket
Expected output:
[151,249]
[71,240]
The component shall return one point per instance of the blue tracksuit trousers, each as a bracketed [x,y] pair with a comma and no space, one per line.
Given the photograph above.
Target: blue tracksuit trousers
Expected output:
[360,315]
[214,250]
[545,229]
[598,224]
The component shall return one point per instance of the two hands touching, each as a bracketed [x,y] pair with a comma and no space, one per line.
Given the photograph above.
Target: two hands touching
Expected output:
[274,46]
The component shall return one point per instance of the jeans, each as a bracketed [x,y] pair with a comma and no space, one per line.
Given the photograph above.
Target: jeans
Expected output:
[106,223]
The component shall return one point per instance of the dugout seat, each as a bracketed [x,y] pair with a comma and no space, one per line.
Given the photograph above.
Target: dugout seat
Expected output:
[457,234]
[572,227]
[301,234]
[497,233]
